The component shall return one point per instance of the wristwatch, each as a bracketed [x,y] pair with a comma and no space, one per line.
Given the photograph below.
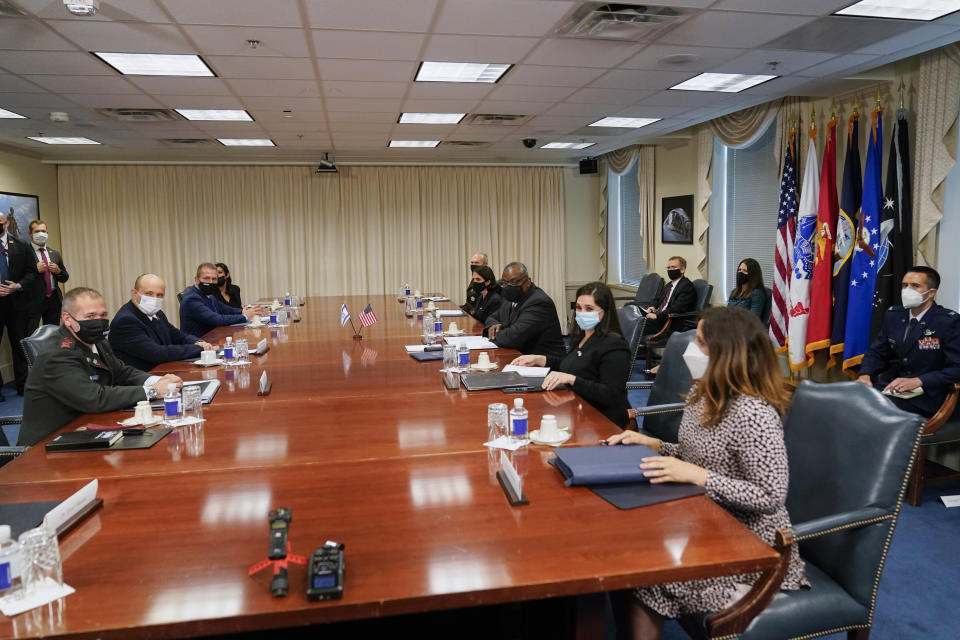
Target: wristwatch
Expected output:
[151,394]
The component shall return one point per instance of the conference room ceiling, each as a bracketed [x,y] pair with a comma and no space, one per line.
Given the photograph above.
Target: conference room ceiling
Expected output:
[343,70]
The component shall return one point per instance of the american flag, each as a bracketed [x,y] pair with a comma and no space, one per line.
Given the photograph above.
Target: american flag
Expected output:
[786,228]
[367,317]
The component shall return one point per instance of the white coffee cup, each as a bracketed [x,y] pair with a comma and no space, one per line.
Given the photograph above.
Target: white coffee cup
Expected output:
[483,360]
[548,428]
[143,411]
[208,356]
[452,328]
[431,306]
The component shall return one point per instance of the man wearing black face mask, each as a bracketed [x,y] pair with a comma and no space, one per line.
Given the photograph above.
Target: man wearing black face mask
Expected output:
[678,296]
[201,311]
[527,320]
[77,372]
[473,290]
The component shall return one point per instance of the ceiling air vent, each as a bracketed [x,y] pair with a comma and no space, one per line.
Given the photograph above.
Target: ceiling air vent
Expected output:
[463,143]
[192,142]
[617,21]
[496,118]
[140,115]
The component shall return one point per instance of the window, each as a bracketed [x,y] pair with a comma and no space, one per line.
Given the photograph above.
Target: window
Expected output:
[743,209]
[625,261]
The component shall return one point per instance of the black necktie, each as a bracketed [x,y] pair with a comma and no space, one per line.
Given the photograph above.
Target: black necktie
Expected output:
[4,267]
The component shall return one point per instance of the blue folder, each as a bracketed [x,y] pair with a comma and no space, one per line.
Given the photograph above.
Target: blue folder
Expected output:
[603,464]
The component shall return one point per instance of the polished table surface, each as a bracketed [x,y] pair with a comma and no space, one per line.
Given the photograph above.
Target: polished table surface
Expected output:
[367,447]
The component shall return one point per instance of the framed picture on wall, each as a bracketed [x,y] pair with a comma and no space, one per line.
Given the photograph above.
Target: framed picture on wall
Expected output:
[677,222]
[20,209]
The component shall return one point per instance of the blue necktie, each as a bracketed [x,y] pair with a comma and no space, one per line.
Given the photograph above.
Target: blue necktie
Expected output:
[4,268]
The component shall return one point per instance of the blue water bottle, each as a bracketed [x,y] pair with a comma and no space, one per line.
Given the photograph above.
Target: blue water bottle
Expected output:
[518,420]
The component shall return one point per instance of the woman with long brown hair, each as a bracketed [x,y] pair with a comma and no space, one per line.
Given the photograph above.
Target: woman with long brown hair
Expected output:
[730,443]
[748,294]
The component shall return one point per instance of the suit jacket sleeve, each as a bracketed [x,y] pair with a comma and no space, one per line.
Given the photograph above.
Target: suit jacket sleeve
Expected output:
[66,377]
[533,318]
[683,301]
[608,389]
[194,307]
[63,276]
[130,336]
[494,317]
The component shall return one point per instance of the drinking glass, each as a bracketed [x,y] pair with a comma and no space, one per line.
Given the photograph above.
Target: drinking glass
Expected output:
[40,556]
[450,357]
[496,420]
[192,402]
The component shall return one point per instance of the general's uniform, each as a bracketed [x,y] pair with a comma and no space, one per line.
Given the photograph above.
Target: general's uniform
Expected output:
[930,350]
[69,379]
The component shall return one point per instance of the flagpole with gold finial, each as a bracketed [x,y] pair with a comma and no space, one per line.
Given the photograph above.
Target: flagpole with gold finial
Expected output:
[901,89]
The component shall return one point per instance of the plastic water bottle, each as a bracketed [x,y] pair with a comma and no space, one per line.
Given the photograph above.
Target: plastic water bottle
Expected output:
[228,354]
[518,420]
[438,325]
[428,333]
[463,357]
[406,288]
[286,299]
[171,403]
[10,562]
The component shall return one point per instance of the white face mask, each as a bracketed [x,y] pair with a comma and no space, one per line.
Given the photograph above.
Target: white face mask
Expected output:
[695,360]
[149,306]
[40,238]
[911,298]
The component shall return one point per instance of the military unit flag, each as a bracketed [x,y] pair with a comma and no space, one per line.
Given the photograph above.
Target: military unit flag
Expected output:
[818,325]
[803,259]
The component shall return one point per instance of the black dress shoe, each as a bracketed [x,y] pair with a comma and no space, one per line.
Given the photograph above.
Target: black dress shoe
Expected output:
[19,392]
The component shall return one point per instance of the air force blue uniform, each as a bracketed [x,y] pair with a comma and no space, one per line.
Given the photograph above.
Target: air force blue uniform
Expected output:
[929,351]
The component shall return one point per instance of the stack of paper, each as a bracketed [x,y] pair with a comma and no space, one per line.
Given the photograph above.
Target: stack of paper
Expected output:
[472,342]
[528,372]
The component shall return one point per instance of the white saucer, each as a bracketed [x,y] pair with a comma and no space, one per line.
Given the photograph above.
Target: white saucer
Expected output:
[200,363]
[489,367]
[132,422]
[535,438]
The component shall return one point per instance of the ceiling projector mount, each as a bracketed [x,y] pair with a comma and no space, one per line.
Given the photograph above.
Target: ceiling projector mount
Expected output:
[326,166]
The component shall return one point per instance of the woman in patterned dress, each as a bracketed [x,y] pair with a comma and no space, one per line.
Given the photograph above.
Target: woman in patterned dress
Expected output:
[731,443]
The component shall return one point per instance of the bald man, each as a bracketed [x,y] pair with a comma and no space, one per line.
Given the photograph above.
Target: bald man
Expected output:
[478,259]
[141,335]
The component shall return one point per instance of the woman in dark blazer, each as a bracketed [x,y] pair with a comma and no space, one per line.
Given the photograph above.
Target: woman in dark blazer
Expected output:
[748,294]
[596,365]
[489,298]
[228,292]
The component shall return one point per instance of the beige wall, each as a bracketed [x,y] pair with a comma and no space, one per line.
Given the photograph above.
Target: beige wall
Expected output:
[581,194]
[676,175]
[23,174]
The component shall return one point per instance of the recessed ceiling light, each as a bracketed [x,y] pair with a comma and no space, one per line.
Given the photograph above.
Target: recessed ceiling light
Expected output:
[413,143]
[10,114]
[724,82]
[215,114]
[54,140]
[568,145]
[923,10]
[246,142]
[156,64]
[628,123]
[460,72]
[430,118]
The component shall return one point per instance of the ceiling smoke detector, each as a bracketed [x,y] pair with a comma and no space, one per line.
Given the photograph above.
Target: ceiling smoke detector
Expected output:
[617,21]
[82,7]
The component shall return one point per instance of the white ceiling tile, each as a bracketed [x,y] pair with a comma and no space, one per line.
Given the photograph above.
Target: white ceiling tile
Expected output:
[647,111]
[130,10]
[689,99]
[806,7]
[124,37]
[45,100]
[758,61]
[253,67]
[925,33]
[448,91]
[585,110]
[314,120]
[837,65]
[278,104]
[721,28]
[581,53]
[371,128]
[705,57]
[10,83]
[557,122]
[290,125]
[367,45]
[423,131]
[337,117]
[517,108]
[292,88]
[501,17]
[107,100]
[537,75]
[23,33]
[481,132]
[777,86]
[198,102]
[640,80]
[182,86]
[275,13]
[453,105]
[367,70]
[608,96]
[541,94]
[377,105]
[396,15]
[445,48]
[347,89]
[85,84]
[232,41]
[54,63]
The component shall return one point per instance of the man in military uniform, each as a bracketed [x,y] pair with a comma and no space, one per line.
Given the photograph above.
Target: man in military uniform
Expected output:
[918,347]
[473,291]
[77,373]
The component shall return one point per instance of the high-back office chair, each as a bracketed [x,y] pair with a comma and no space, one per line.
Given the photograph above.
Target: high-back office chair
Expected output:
[850,454]
[661,416]
[648,291]
[942,428]
[32,344]
[632,321]
[679,321]
[180,294]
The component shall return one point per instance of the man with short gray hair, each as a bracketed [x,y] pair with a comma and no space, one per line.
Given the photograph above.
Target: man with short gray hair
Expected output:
[478,259]
[529,322]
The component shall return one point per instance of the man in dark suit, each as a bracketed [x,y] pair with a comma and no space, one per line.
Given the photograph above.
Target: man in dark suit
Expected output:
[200,311]
[918,346]
[140,333]
[77,373]
[15,279]
[527,320]
[42,294]
[678,296]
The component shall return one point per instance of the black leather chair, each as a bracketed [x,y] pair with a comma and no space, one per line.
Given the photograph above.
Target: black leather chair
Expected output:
[648,291]
[942,428]
[632,321]
[678,322]
[180,294]
[33,343]
[850,455]
[661,416]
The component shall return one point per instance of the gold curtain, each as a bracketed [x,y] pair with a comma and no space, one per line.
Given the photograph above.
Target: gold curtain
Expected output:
[647,200]
[737,128]
[364,230]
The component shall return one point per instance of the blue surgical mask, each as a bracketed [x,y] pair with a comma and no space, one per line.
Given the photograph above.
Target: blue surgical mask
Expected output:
[588,319]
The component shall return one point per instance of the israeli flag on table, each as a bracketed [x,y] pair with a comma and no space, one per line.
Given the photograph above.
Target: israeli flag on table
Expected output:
[344,315]
[866,259]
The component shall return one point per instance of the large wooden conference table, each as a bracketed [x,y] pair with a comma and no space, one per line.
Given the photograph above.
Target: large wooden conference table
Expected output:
[368,448]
